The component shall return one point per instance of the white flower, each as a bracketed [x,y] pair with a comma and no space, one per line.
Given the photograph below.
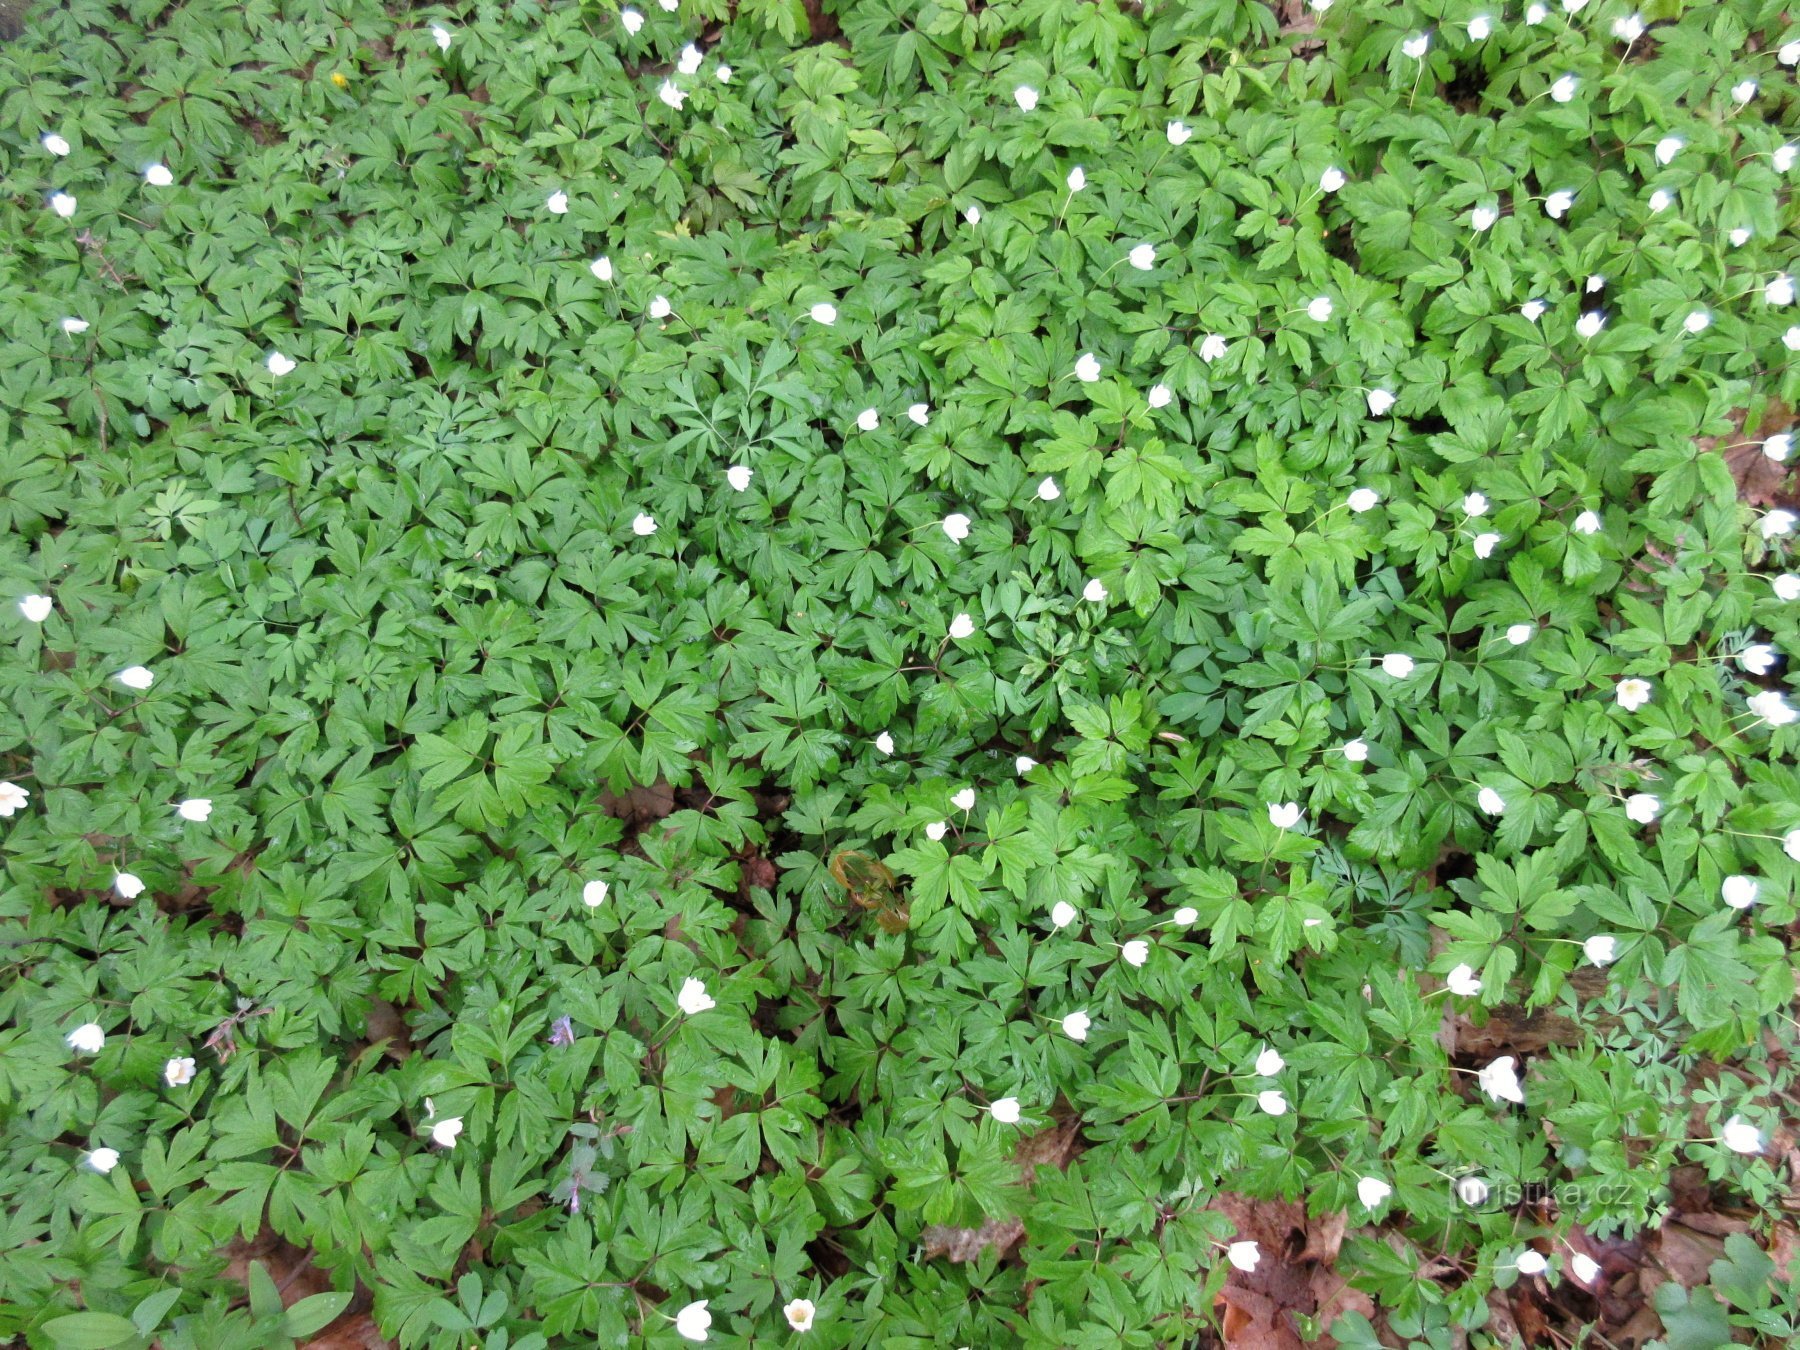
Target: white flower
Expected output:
[86,1039]
[1143,257]
[1160,396]
[1483,218]
[1331,180]
[1758,658]
[1500,1080]
[1269,1062]
[1462,981]
[1062,914]
[919,414]
[1471,1190]
[444,1132]
[643,525]
[868,419]
[441,36]
[593,894]
[1596,283]
[1780,290]
[1006,1110]
[1783,157]
[1536,14]
[179,1072]
[1743,91]
[128,884]
[885,743]
[557,203]
[1590,324]
[1564,88]
[1380,400]
[1485,544]
[1481,27]
[1531,1263]
[1573,6]
[1212,348]
[1740,1136]
[1777,523]
[693,998]
[688,63]
[1601,949]
[692,1321]
[136,677]
[1588,522]
[1559,202]
[1490,801]
[280,365]
[1094,592]
[1135,952]
[1739,892]
[1187,916]
[1789,54]
[1284,815]
[964,800]
[1661,200]
[158,175]
[973,215]
[195,809]
[1397,664]
[1628,29]
[1415,45]
[1584,1268]
[1520,633]
[1632,693]
[1075,1026]
[1179,133]
[1772,708]
[12,798]
[1787,586]
[75,327]
[956,525]
[1318,309]
[668,6]
[1023,765]
[1740,236]
[57,146]
[36,608]
[738,476]
[1272,1102]
[1087,368]
[1372,1191]
[671,93]
[962,626]
[1243,1255]
[1363,499]
[1697,321]
[1077,179]
[1356,751]
[602,269]
[1533,310]
[63,204]
[1667,148]
[824,313]
[1026,97]
[1642,807]
[800,1314]
[103,1160]
[936,830]
[632,20]
[660,308]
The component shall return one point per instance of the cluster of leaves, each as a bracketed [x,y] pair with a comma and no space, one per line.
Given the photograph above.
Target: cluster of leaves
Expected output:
[433,611]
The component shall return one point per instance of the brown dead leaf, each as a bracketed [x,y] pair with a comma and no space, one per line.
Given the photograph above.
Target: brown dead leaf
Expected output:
[352,1331]
[640,806]
[1294,1274]
[1784,1241]
[965,1244]
[1759,479]
[386,1024]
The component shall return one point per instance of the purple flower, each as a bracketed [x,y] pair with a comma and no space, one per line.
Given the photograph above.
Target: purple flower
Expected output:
[562,1032]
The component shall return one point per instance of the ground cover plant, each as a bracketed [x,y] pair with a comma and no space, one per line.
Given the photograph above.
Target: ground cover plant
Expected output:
[914,675]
